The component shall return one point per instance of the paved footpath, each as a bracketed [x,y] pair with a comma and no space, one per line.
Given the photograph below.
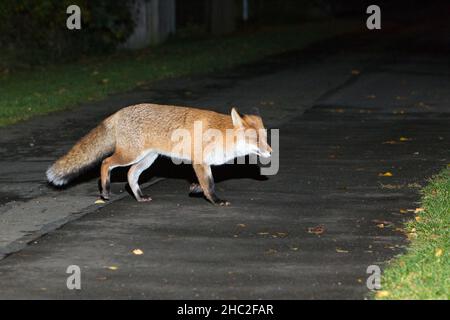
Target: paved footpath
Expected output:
[345,115]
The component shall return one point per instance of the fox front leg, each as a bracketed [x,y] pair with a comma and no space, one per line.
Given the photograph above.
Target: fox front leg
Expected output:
[206,181]
[134,173]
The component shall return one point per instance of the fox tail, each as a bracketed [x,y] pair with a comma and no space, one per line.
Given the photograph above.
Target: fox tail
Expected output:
[88,151]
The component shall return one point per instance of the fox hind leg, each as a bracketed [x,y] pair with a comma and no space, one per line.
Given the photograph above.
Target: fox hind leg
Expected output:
[116,160]
[134,173]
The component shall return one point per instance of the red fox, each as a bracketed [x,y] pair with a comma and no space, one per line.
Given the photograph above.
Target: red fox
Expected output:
[136,135]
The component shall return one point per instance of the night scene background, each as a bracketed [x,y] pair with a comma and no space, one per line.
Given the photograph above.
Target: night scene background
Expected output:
[363,117]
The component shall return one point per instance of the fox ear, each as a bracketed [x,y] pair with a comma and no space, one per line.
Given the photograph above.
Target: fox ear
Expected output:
[236,117]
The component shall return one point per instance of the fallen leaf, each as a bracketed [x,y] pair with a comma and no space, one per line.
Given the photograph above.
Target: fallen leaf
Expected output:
[390,142]
[384,223]
[419,210]
[404,139]
[382,294]
[138,252]
[112,268]
[392,186]
[385,174]
[241,225]
[411,235]
[414,185]
[316,230]
[418,218]
[99,201]
[438,252]
[282,234]
[341,250]
[403,211]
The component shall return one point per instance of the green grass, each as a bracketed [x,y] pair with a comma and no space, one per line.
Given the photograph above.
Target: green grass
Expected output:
[38,91]
[424,271]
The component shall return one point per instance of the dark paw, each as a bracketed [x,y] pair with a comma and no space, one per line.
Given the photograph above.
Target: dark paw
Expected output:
[144,199]
[105,196]
[222,203]
[195,188]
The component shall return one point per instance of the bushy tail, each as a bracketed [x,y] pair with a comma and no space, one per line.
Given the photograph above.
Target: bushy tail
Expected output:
[93,147]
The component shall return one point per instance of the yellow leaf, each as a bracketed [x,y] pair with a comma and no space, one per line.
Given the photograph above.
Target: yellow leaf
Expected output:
[403,211]
[341,250]
[386,174]
[99,201]
[138,252]
[404,139]
[411,235]
[382,294]
[419,210]
[316,230]
[113,268]
[418,218]
[438,252]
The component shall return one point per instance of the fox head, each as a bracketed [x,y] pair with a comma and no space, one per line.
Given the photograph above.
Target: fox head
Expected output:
[251,136]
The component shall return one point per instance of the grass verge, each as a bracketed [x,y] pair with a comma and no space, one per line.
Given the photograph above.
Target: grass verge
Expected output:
[424,271]
[28,93]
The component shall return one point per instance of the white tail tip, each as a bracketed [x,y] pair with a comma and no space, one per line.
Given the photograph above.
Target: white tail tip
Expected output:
[54,178]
